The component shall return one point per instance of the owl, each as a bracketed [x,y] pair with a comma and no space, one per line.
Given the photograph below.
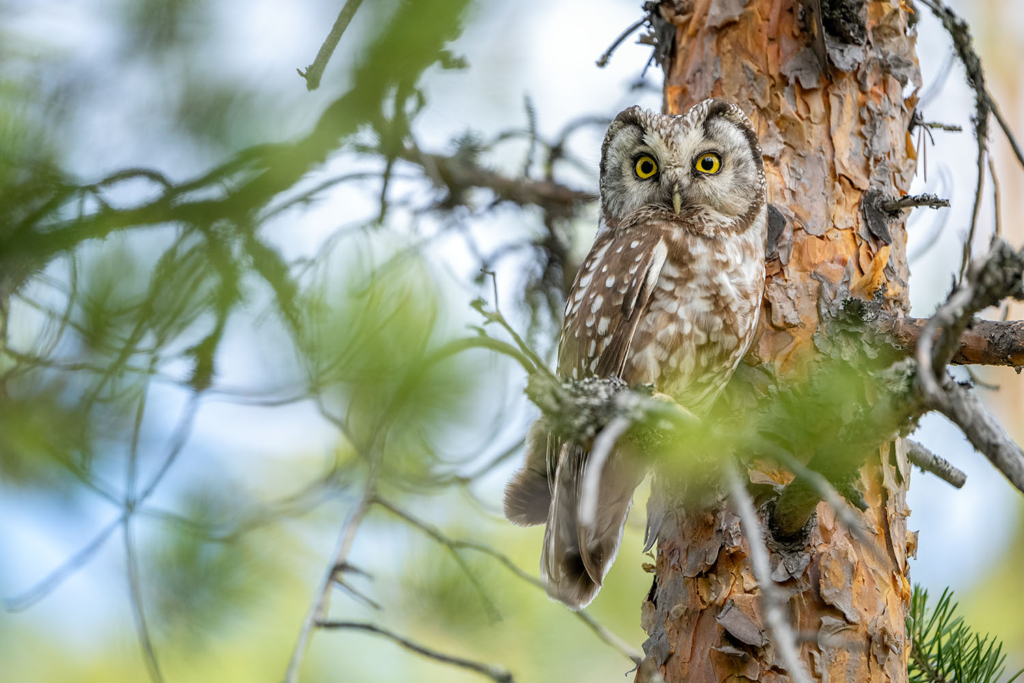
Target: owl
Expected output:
[668,296]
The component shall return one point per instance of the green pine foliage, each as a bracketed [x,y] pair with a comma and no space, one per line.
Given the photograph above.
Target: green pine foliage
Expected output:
[943,649]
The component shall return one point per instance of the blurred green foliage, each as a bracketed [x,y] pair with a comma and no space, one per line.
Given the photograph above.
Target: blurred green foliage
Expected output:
[128,296]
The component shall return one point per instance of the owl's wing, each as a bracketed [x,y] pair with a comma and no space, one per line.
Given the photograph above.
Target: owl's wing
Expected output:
[605,304]
[607,301]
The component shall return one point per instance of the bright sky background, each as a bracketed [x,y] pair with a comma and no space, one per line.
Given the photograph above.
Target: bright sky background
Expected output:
[544,49]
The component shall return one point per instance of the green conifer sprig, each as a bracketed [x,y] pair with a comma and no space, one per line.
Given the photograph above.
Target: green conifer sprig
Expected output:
[943,649]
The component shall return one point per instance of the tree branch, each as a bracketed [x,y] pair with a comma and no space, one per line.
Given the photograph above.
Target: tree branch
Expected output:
[493,672]
[915,200]
[964,409]
[984,342]
[937,465]
[986,283]
[458,174]
[321,599]
[315,71]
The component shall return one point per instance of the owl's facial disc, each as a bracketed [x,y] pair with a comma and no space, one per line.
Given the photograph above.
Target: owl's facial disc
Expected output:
[706,160]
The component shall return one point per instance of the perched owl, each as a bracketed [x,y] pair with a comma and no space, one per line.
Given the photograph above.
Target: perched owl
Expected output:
[669,296]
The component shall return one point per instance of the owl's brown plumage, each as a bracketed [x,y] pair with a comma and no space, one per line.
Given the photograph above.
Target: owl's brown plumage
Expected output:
[669,296]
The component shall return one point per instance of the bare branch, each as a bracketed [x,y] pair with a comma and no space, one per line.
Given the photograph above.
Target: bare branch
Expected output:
[989,281]
[603,633]
[960,32]
[602,61]
[915,200]
[69,567]
[996,211]
[984,342]
[964,409]
[321,599]
[493,672]
[1006,128]
[138,612]
[357,594]
[937,465]
[457,175]
[773,601]
[315,71]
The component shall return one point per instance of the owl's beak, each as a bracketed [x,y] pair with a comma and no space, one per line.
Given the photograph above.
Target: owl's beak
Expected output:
[677,202]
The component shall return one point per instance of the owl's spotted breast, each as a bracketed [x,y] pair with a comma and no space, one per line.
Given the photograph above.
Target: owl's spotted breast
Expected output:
[660,304]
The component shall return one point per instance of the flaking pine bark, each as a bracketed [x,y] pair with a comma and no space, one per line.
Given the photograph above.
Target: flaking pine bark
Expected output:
[827,95]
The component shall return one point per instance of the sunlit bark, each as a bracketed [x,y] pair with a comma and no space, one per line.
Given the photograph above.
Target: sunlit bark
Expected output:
[829,137]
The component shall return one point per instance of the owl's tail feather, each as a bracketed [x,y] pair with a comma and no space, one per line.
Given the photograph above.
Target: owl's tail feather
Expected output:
[579,546]
[528,495]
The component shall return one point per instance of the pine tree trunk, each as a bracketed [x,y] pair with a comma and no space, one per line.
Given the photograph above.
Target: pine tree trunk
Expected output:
[829,137]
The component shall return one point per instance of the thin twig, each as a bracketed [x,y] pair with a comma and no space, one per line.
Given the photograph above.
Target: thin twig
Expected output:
[603,59]
[965,410]
[138,612]
[935,125]
[1004,124]
[358,595]
[315,71]
[603,633]
[321,600]
[937,465]
[772,599]
[66,569]
[997,213]
[959,31]
[493,672]
[988,282]
[975,210]
[915,200]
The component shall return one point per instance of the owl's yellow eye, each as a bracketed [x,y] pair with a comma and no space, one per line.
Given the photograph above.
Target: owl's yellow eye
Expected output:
[709,163]
[645,167]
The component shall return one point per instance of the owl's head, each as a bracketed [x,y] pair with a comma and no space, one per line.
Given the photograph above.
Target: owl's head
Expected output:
[705,163]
